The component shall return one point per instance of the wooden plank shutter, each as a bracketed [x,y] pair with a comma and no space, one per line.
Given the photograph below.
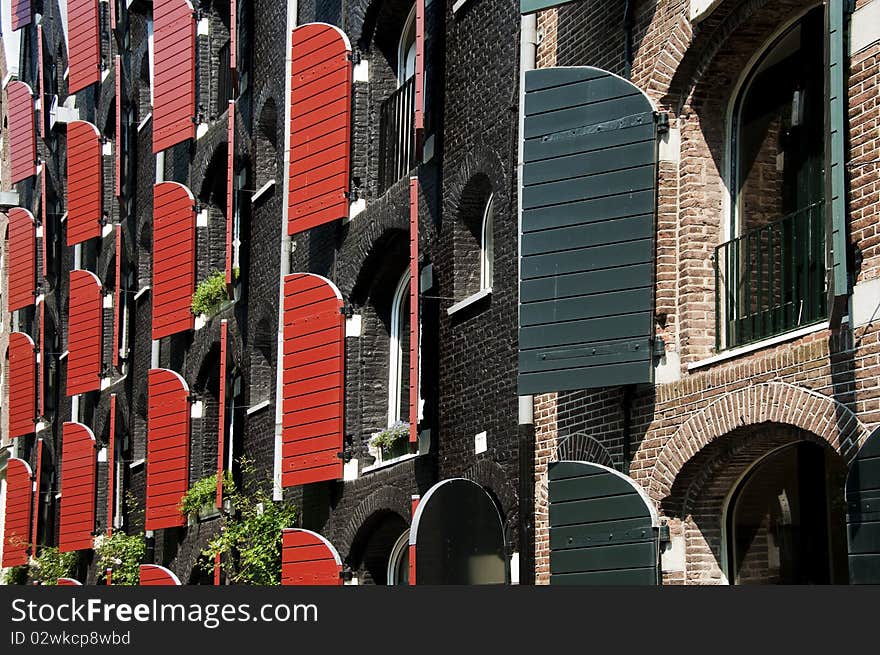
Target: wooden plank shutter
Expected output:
[313,382]
[320,126]
[118,154]
[230,187]
[78,470]
[414,317]
[22,133]
[589,201]
[168,431]
[22,267]
[117,299]
[174,73]
[307,558]
[17,526]
[21,13]
[457,536]
[531,6]
[863,513]
[836,97]
[153,575]
[85,333]
[68,582]
[233,34]
[174,258]
[35,505]
[41,98]
[84,171]
[603,530]
[22,384]
[111,465]
[84,56]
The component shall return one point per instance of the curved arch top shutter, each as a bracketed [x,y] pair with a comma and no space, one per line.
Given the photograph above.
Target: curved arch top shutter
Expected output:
[78,469]
[174,260]
[174,97]
[84,170]
[22,132]
[307,558]
[153,575]
[16,530]
[85,333]
[22,384]
[21,13]
[22,269]
[587,245]
[68,582]
[85,49]
[168,429]
[320,126]
[862,516]
[314,347]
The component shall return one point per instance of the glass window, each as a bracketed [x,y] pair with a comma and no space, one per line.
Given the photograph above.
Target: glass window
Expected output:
[398,562]
[398,365]
[487,246]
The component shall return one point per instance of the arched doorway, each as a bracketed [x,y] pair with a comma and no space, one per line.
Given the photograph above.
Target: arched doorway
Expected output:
[785,519]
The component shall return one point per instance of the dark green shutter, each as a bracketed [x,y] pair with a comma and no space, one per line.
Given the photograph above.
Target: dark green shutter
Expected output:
[587,246]
[531,6]
[835,144]
[602,531]
[863,513]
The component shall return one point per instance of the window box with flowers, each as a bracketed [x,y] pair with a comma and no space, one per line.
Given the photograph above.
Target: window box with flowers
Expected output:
[391,443]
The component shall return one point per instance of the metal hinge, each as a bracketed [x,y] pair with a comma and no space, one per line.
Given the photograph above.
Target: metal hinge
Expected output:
[355,57]
[662,120]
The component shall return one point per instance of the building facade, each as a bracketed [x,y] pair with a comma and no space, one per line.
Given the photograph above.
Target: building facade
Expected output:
[564,292]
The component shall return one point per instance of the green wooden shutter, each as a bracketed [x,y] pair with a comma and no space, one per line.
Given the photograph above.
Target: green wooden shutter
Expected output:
[835,155]
[587,246]
[602,529]
[863,513]
[531,6]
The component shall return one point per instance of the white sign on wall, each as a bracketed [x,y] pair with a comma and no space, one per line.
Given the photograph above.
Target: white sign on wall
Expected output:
[702,8]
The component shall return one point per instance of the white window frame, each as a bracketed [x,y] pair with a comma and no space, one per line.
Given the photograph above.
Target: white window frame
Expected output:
[401,547]
[402,49]
[487,245]
[395,352]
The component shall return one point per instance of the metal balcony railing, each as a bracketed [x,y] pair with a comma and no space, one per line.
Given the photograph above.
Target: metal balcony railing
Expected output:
[771,279]
[396,135]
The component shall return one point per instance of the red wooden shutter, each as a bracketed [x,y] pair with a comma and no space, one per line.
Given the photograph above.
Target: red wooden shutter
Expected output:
[111,465]
[68,582]
[413,309]
[117,299]
[174,96]
[233,34]
[78,462]
[22,384]
[44,214]
[22,135]
[419,118]
[84,169]
[168,428]
[307,558]
[230,187]
[84,333]
[314,347]
[320,126]
[41,98]
[22,267]
[21,13]
[16,530]
[153,575]
[84,56]
[41,369]
[35,508]
[174,258]
[221,420]
[117,164]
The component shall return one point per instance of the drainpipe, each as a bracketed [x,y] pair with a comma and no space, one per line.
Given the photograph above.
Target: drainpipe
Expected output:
[277,490]
[528,47]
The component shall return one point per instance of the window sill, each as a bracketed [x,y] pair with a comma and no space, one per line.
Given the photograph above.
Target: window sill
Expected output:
[470,300]
[262,191]
[458,5]
[256,408]
[760,345]
[144,122]
[390,462]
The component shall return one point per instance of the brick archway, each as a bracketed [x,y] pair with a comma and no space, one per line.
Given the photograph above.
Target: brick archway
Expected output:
[776,402]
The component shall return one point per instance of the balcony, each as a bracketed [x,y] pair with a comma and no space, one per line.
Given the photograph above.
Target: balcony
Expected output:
[771,279]
[397,155]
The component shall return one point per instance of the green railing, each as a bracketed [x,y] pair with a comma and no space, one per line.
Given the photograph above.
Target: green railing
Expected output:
[771,279]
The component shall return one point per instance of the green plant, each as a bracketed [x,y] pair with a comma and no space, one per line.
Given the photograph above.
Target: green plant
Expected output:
[16,575]
[204,492]
[51,564]
[249,541]
[122,554]
[390,436]
[210,294]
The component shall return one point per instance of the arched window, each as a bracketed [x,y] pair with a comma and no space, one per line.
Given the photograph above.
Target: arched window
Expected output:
[772,271]
[785,520]
[398,353]
[398,562]
[406,51]
[487,246]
